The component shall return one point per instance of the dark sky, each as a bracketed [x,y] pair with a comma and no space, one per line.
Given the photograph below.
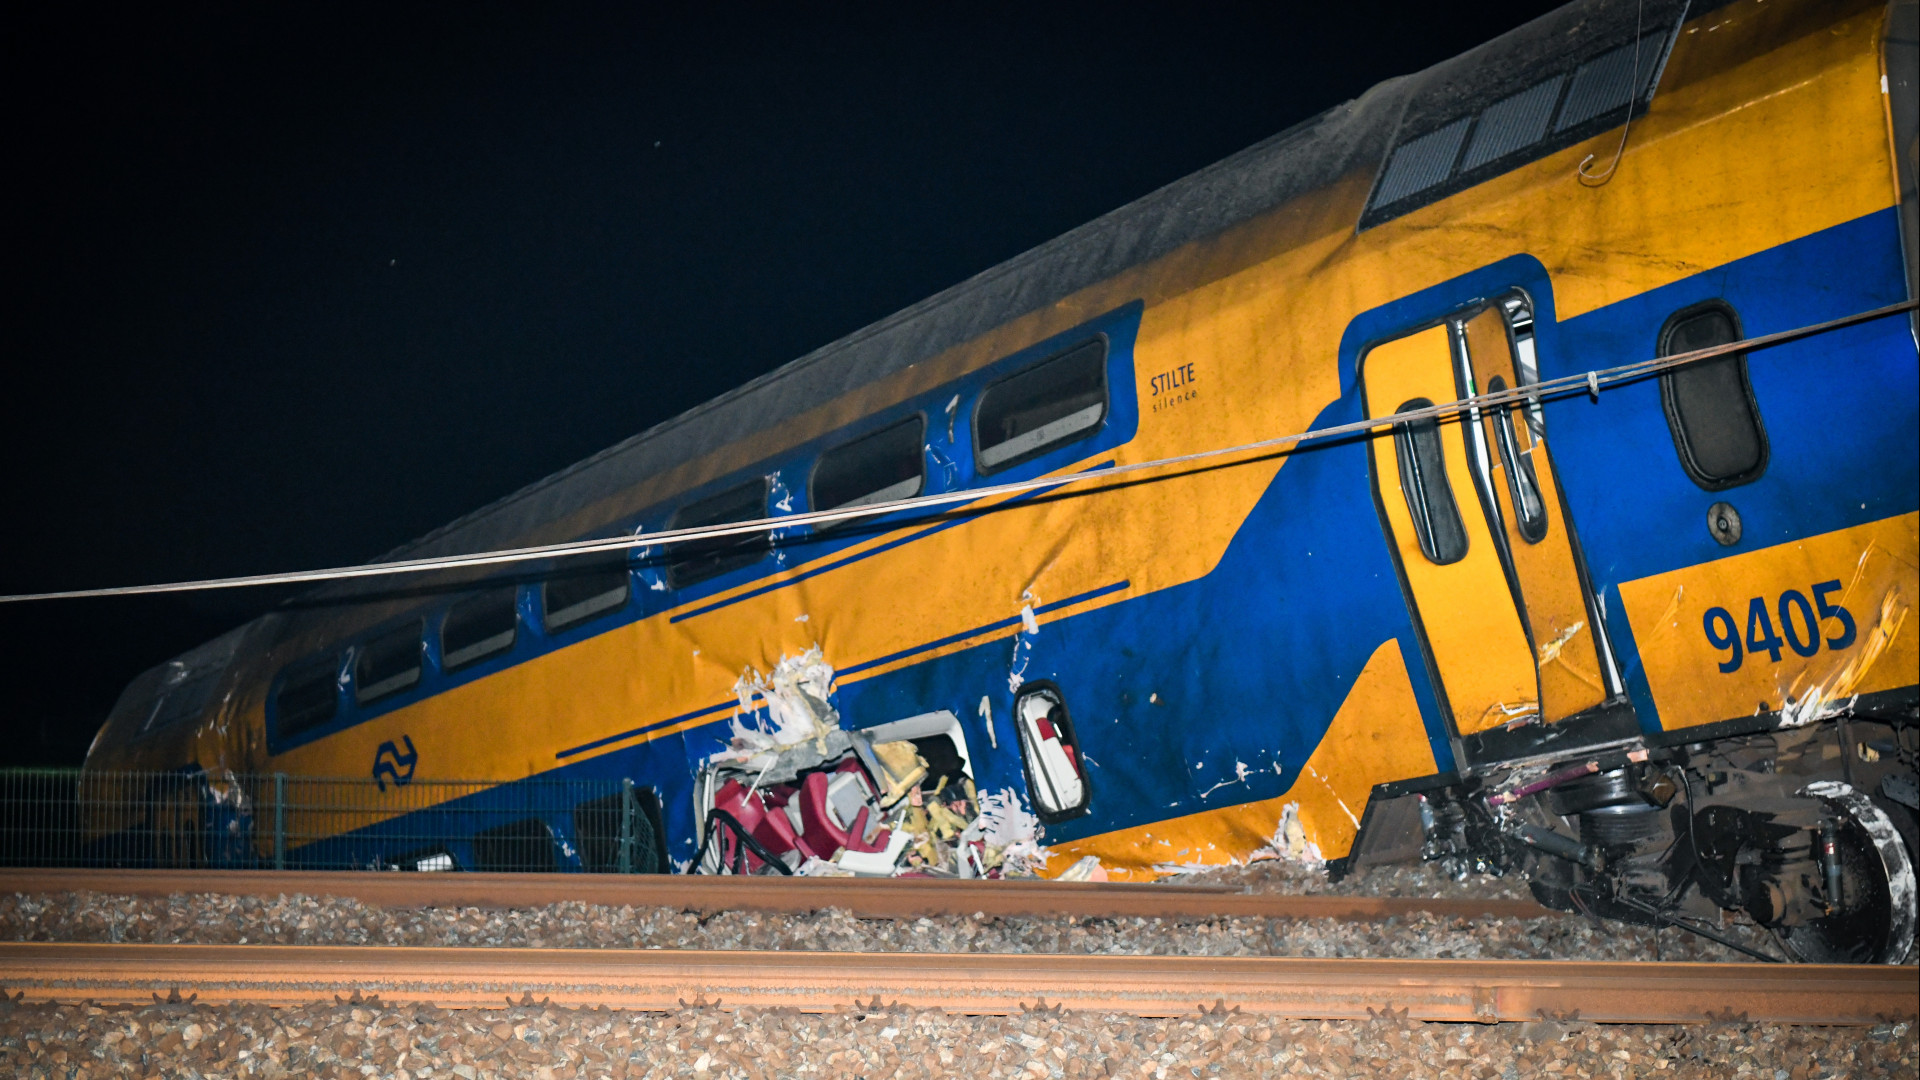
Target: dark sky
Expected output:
[290,285]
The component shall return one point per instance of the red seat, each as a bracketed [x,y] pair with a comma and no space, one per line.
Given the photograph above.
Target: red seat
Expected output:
[818,830]
[772,829]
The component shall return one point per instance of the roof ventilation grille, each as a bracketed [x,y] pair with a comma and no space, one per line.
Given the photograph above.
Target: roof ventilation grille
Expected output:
[1577,102]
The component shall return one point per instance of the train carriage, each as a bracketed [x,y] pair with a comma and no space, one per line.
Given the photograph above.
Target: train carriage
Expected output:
[1647,642]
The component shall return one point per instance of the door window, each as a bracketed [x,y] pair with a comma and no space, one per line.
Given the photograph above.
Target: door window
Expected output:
[1423,478]
[1523,486]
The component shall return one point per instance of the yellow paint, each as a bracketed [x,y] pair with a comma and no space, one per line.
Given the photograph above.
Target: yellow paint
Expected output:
[1375,737]
[1549,580]
[1465,608]
[1874,564]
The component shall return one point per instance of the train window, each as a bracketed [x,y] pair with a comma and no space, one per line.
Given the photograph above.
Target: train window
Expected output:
[700,560]
[881,467]
[479,627]
[1056,779]
[574,594]
[387,665]
[1523,484]
[1054,402]
[1709,404]
[308,697]
[1423,479]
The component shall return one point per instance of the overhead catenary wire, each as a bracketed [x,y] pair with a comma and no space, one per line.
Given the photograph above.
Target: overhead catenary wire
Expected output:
[1588,382]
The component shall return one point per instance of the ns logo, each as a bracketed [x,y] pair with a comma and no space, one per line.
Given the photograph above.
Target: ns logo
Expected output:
[388,763]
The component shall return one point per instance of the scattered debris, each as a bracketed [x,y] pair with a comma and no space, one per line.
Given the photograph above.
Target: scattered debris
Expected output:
[796,789]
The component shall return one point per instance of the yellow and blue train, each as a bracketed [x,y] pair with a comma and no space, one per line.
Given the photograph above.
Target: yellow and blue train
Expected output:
[1652,646]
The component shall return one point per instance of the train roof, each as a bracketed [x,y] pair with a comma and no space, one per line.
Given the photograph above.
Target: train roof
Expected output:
[1308,156]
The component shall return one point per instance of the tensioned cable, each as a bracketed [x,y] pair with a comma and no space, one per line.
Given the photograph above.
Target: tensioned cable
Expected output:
[1590,383]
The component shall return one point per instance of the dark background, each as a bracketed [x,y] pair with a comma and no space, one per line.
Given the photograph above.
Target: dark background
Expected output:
[288,286]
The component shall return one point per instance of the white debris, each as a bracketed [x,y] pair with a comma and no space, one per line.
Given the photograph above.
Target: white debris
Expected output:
[1239,777]
[875,863]
[822,868]
[1005,825]
[1087,869]
[795,697]
[1290,840]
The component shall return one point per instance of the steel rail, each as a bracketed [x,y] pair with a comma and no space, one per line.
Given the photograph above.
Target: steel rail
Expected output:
[1438,990]
[891,898]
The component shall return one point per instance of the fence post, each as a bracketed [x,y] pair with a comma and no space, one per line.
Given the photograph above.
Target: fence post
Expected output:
[279,821]
[626,825]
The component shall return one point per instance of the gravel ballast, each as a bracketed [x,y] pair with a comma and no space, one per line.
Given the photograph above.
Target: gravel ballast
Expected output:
[341,1040]
[218,919]
[214,919]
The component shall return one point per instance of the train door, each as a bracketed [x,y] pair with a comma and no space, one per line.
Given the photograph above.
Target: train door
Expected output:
[1471,507]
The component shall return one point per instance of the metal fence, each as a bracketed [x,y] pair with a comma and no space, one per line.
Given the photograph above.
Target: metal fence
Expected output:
[190,819]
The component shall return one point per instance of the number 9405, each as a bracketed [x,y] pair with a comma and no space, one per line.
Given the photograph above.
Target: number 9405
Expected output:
[1802,621]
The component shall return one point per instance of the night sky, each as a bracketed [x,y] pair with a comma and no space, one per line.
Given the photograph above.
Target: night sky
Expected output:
[289,286]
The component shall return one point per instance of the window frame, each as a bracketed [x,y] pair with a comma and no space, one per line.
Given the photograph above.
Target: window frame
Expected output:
[1522,479]
[813,474]
[328,664]
[1105,343]
[1069,739]
[364,696]
[512,592]
[764,541]
[549,625]
[1669,405]
[1413,483]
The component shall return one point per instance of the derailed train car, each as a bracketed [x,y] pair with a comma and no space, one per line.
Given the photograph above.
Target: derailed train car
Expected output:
[1650,646]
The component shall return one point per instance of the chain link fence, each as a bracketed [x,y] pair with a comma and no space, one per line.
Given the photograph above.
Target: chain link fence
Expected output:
[190,819]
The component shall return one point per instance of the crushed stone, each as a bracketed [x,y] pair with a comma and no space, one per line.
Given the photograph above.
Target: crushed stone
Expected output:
[337,1041]
[218,919]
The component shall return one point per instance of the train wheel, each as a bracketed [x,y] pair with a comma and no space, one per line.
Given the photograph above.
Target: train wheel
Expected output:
[1873,923]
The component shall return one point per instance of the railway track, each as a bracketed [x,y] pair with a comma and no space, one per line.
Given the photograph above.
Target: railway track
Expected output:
[984,984]
[867,897]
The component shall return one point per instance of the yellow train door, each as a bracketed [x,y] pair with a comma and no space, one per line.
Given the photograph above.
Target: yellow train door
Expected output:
[1471,507]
